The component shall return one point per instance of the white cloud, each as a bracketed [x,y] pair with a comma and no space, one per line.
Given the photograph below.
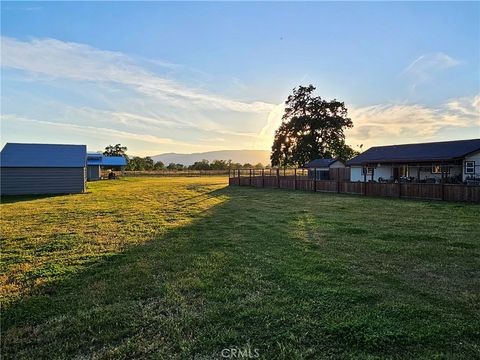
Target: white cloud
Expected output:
[120,98]
[265,136]
[98,131]
[394,123]
[80,62]
[151,123]
[423,68]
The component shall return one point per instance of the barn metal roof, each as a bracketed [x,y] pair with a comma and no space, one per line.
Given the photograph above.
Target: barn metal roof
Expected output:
[101,160]
[320,163]
[435,151]
[43,155]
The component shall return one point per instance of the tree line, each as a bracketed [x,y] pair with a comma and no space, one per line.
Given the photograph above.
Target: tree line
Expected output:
[138,163]
[147,164]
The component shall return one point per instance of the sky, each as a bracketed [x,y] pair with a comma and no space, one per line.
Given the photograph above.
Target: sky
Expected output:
[193,77]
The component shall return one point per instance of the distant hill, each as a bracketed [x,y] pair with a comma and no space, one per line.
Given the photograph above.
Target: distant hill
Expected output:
[237,156]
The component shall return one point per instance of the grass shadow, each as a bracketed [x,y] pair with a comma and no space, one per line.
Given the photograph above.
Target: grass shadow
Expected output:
[11,199]
[236,276]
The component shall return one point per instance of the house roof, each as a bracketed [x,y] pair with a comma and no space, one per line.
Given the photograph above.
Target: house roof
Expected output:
[435,151]
[43,155]
[319,163]
[101,160]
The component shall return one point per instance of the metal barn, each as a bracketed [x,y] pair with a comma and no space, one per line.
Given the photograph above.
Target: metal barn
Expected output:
[95,161]
[42,169]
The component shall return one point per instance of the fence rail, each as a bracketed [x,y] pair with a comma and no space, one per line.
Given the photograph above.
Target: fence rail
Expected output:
[276,179]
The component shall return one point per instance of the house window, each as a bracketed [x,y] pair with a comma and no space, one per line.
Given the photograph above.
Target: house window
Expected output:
[469,167]
[367,171]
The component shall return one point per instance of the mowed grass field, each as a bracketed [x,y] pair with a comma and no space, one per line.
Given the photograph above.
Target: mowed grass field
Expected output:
[181,268]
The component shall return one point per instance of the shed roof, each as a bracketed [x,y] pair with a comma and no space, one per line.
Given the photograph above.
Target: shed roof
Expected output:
[320,163]
[43,155]
[434,151]
[102,160]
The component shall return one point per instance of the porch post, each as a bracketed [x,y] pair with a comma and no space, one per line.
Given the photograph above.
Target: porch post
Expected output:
[365,180]
[443,182]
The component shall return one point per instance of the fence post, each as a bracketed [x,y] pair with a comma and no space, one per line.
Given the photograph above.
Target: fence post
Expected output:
[239,177]
[263,178]
[278,177]
[443,191]
[314,180]
[338,186]
[250,178]
[399,189]
[295,179]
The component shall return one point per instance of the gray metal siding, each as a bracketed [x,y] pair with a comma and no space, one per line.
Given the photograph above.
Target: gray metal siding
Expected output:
[20,181]
[93,172]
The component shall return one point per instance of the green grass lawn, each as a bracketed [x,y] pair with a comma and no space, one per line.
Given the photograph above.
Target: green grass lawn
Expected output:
[185,267]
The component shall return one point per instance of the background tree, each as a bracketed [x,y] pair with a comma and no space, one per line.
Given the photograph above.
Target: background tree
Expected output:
[219,165]
[311,128]
[200,165]
[148,163]
[136,164]
[159,165]
[116,150]
[141,164]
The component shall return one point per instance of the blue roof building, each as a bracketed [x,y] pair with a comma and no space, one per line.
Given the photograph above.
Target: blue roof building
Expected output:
[96,160]
[42,169]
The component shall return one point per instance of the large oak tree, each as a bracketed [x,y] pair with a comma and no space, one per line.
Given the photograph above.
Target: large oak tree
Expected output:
[311,128]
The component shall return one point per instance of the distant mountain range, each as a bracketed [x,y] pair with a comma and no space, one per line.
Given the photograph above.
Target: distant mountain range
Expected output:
[237,156]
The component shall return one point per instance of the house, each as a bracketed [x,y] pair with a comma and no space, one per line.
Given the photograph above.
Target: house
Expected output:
[445,161]
[325,169]
[95,161]
[42,169]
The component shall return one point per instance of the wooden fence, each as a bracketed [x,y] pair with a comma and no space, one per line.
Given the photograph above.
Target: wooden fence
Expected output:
[446,192]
